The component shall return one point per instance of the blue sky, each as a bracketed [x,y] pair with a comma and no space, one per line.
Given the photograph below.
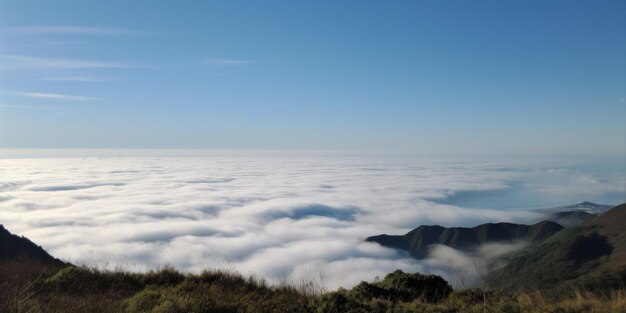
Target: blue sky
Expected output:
[425,77]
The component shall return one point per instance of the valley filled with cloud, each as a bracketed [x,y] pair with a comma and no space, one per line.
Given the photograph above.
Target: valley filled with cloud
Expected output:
[281,217]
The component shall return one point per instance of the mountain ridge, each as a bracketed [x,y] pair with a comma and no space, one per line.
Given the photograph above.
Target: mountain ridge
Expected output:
[591,255]
[418,241]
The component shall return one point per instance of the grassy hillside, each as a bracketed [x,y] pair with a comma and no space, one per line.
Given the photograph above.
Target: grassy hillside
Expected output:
[418,241]
[34,287]
[589,256]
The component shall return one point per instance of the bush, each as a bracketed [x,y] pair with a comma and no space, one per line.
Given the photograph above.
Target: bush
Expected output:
[340,302]
[408,287]
[366,291]
[168,276]
[473,296]
[144,301]
[78,280]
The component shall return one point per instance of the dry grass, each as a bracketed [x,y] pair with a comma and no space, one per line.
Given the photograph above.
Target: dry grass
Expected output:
[27,287]
[576,301]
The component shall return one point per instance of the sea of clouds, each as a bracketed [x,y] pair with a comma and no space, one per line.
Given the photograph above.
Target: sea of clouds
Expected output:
[282,218]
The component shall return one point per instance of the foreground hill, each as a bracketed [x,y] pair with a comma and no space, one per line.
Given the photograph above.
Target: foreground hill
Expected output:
[418,241]
[13,247]
[591,256]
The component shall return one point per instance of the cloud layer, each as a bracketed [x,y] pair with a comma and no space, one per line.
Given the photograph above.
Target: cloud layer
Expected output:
[278,217]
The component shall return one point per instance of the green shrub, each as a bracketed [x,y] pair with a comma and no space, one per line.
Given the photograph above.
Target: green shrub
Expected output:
[366,291]
[407,287]
[167,306]
[473,296]
[145,301]
[74,279]
[168,276]
[340,302]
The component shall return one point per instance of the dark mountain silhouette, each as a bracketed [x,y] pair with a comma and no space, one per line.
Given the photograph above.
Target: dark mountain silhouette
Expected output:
[16,248]
[590,256]
[418,241]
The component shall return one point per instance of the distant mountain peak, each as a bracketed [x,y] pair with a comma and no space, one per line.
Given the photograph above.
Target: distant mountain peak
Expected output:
[585,206]
[587,203]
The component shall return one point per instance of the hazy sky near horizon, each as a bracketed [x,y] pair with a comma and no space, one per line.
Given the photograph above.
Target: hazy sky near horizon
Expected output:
[430,77]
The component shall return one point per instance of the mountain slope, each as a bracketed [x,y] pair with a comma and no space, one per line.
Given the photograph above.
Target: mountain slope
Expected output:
[13,247]
[571,218]
[591,255]
[418,241]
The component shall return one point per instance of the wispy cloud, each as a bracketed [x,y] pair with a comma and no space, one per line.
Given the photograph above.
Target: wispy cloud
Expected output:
[62,110]
[53,96]
[221,61]
[71,30]
[77,78]
[22,61]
